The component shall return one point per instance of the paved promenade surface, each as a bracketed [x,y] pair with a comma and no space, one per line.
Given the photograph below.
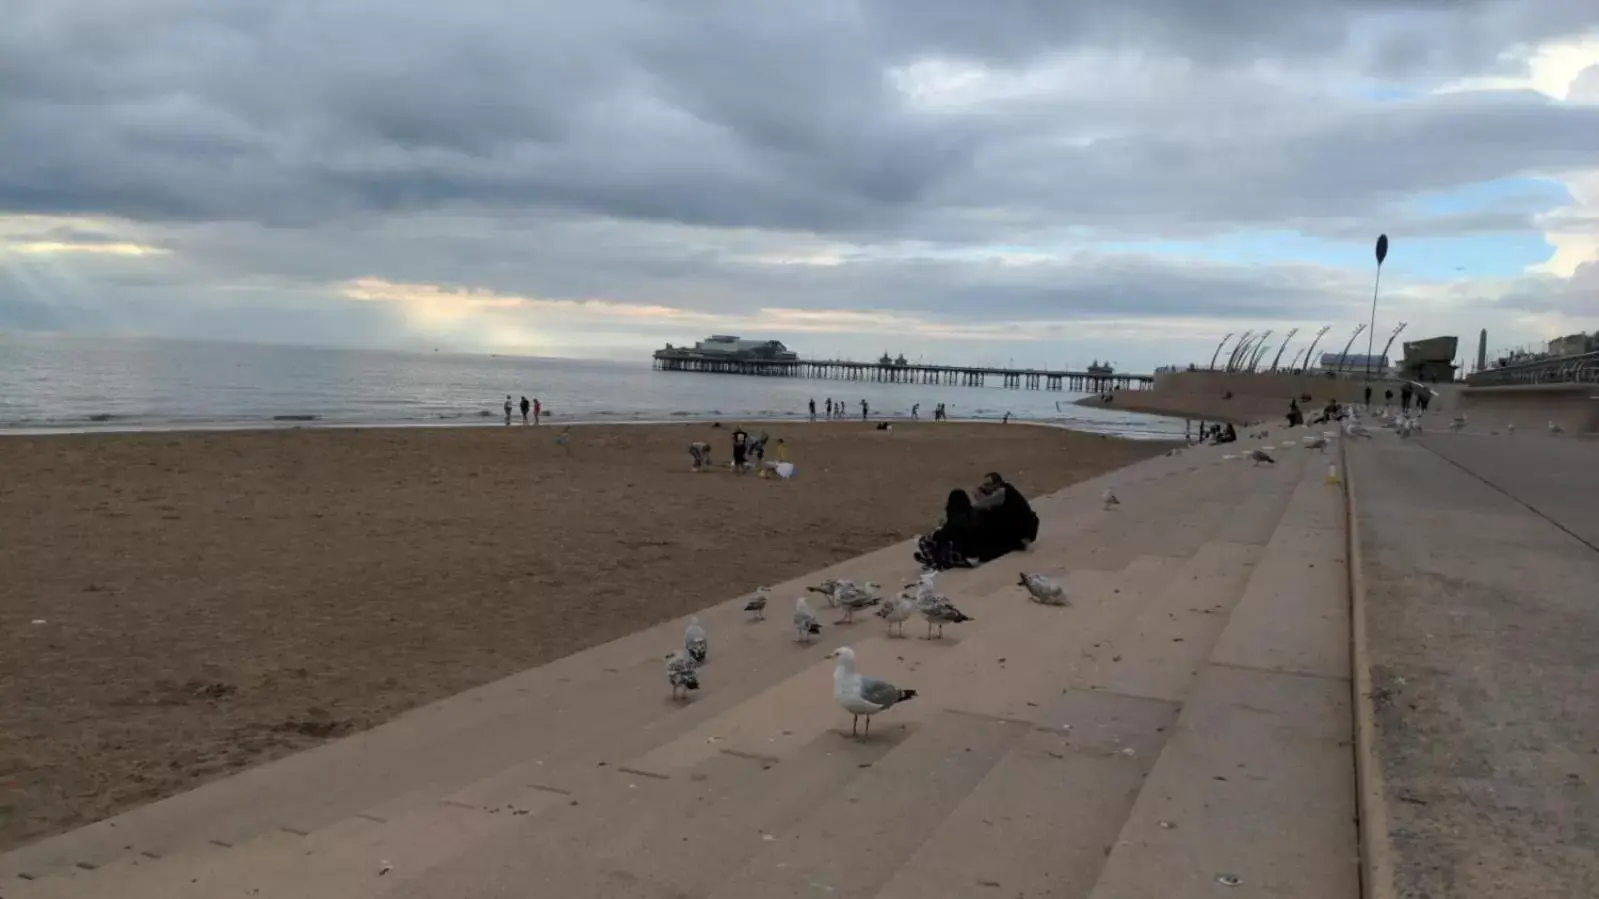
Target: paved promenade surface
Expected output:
[1483,615]
[1183,729]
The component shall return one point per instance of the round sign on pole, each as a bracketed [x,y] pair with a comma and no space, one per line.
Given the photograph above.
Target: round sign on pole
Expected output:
[1382,248]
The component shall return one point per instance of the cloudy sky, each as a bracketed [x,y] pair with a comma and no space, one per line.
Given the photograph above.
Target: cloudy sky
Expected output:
[967,182]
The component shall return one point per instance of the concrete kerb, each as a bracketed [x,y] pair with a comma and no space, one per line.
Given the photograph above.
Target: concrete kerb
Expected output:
[1371,795]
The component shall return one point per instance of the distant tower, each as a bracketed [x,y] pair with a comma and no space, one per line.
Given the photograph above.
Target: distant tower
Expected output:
[1482,350]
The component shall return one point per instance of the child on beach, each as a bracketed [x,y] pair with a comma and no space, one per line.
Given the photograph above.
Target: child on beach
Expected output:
[700,451]
[741,446]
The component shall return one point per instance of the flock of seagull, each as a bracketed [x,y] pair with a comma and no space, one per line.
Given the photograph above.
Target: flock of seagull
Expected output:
[861,695]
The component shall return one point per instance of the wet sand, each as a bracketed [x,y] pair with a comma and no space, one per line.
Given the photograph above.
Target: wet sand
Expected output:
[176,607]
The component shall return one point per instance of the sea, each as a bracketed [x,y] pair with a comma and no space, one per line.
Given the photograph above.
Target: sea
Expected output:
[60,383]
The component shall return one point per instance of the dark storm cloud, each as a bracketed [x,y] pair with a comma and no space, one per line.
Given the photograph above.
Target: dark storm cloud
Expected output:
[723,113]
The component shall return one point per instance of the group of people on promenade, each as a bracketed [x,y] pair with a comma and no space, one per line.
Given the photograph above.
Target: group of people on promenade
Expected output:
[974,531]
[834,409]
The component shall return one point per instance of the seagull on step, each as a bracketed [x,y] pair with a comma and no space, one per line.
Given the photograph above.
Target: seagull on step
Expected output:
[939,611]
[1043,590]
[898,610]
[1109,497]
[1511,428]
[805,626]
[1458,424]
[857,599]
[860,695]
[1556,429]
[1258,456]
[1316,442]
[757,606]
[682,674]
[827,588]
[694,641]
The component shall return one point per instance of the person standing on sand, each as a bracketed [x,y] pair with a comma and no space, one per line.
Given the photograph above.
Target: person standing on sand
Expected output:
[538,409]
[916,408]
[813,408]
[507,410]
[1405,393]
[741,447]
[1368,397]
[524,410]
[864,409]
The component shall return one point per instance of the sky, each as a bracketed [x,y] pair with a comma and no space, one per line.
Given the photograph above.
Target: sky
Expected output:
[1009,182]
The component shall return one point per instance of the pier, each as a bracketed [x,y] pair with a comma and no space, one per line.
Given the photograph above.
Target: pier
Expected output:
[898,371]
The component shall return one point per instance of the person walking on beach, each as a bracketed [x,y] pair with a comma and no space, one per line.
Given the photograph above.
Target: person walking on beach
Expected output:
[507,410]
[916,408]
[538,409]
[1368,396]
[864,409]
[525,405]
[813,408]
[829,407]
[741,446]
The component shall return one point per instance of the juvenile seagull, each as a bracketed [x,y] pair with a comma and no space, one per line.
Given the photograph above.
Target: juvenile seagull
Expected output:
[939,611]
[857,599]
[1109,497]
[682,674]
[694,641]
[1259,455]
[1317,442]
[860,695]
[1556,429]
[805,626]
[898,610]
[757,605]
[1043,590]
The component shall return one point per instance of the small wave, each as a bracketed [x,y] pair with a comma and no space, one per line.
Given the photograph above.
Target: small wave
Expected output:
[296,417]
[102,416]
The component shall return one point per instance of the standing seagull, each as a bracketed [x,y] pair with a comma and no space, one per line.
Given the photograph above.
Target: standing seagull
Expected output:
[1109,496]
[757,606]
[682,674]
[939,611]
[1556,428]
[1259,455]
[1041,589]
[862,696]
[897,611]
[856,599]
[828,587]
[805,626]
[694,641]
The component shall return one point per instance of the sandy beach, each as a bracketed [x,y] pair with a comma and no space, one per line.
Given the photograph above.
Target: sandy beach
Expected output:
[179,606]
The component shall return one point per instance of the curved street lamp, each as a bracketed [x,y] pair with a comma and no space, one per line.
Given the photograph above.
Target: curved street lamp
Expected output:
[1279,357]
[1218,350]
[1382,254]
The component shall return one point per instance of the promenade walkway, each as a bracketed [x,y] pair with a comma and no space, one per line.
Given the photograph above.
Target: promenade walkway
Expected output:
[1183,729]
[1482,620]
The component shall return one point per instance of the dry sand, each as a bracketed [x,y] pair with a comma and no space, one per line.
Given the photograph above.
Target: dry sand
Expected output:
[210,601]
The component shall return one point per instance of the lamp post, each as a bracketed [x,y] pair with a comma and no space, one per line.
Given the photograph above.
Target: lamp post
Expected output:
[1343,358]
[1371,330]
[1254,354]
[1279,357]
[1311,350]
[1238,349]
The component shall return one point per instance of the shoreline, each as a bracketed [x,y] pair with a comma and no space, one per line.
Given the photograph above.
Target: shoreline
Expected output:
[313,424]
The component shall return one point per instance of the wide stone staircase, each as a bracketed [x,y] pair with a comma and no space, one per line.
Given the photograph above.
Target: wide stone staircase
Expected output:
[1181,729]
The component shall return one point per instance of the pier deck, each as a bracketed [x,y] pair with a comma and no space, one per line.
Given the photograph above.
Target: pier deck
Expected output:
[1088,381]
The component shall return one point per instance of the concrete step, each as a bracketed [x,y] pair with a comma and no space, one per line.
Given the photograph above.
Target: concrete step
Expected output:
[1043,820]
[675,835]
[1257,782]
[946,673]
[852,844]
[125,876]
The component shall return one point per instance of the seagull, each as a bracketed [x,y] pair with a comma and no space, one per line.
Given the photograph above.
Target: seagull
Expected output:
[857,599]
[1458,424]
[1109,496]
[1511,428]
[682,674]
[1259,455]
[1556,429]
[805,626]
[827,588]
[1316,442]
[897,611]
[757,605]
[939,611]
[1041,589]
[694,641]
[862,696]
[564,439]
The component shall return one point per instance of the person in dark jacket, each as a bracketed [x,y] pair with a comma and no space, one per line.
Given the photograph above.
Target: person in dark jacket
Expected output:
[1010,520]
[958,541]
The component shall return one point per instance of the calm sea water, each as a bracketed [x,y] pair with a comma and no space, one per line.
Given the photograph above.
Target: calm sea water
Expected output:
[63,382]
